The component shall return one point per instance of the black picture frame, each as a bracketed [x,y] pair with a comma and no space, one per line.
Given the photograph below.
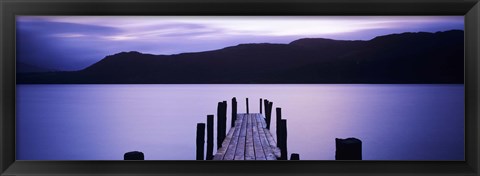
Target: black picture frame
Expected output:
[10,8]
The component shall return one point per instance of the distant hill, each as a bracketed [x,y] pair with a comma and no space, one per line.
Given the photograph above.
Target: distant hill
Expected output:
[397,58]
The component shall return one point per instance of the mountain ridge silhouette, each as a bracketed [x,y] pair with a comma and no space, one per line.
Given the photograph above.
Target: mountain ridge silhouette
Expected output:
[420,57]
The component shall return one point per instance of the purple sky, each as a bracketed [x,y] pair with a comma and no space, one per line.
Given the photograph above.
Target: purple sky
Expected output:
[75,42]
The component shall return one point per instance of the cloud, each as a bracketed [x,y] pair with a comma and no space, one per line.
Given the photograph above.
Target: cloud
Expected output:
[47,27]
[154,32]
[58,45]
[69,35]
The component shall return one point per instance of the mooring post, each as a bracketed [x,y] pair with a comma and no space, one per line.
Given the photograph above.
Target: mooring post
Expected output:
[209,155]
[133,155]
[261,106]
[282,142]
[224,114]
[247,106]
[268,113]
[348,149]
[270,106]
[224,109]
[221,123]
[234,111]
[279,118]
[295,156]
[265,103]
[267,119]
[200,140]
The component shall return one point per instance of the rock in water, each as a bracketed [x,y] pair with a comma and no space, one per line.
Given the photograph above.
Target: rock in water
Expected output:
[134,155]
[348,149]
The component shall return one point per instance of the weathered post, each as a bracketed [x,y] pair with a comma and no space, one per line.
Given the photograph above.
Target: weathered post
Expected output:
[267,119]
[234,111]
[295,156]
[265,103]
[224,114]
[133,155]
[247,106]
[200,140]
[268,113]
[209,155]
[270,106]
[224,111]
[282,142]
[348,149]
[221,123]
[279,118]
[261,106]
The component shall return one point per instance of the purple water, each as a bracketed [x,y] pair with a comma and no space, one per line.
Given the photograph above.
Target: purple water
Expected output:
[102,122]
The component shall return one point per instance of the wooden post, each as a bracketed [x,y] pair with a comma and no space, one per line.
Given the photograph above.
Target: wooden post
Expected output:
[209,155]
[279,118]
[269,110]
[348,149]
[247,106]
[224,109]
[200,140]
[282,142]
[267,120]
[268,113]
[224,114]
[134,155]
[261,105]
[234,111]
[221,123]
[295,156]
[265,103]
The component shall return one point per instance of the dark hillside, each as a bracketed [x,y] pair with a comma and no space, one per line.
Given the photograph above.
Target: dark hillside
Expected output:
[396,58]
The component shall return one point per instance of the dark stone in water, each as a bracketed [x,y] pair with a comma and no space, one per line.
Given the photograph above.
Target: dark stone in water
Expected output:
[295,156]
[134,155]
[348,149]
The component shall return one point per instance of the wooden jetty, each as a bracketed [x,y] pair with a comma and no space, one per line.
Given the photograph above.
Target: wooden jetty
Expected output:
[249,139]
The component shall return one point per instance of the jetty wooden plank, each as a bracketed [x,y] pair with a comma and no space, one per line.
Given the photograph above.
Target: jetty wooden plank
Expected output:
[240,151]
[261,120]
[263,139]
[249,150]
[221,152]
[230,153]
[248,140]
[272,143]
[257,145]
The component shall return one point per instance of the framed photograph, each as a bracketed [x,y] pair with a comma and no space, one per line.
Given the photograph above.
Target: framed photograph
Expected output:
[240,87]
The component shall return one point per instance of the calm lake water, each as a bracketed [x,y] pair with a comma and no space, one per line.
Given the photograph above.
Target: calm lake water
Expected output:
[102,122]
